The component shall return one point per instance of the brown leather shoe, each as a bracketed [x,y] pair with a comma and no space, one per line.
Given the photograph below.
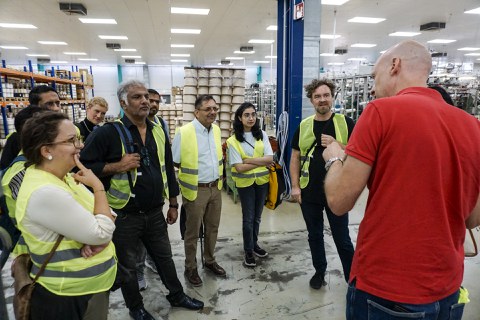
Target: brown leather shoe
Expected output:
[193,277]
[216,269]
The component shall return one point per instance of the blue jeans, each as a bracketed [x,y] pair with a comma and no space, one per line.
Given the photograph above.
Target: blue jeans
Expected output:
[252,199]
[313,215]
[150,228]
[364,306]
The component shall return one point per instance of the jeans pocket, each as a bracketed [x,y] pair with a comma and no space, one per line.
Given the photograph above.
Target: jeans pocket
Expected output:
[456,311]
[379,312]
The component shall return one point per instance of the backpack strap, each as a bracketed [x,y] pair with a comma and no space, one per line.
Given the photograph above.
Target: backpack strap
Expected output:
[127,141]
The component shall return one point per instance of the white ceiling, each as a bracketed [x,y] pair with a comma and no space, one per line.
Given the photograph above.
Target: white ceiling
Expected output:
[229,25]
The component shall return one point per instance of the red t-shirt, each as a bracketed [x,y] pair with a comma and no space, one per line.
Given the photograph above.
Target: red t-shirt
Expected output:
[424,183]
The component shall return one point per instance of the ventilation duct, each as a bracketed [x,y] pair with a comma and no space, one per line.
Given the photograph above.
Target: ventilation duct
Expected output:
[114,46]
[246,48]
[341,51]
[129,60]
[432,26]
[73,8]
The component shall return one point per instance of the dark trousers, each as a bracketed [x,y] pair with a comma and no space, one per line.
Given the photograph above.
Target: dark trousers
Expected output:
[151,229]
[313,215]
[253,200]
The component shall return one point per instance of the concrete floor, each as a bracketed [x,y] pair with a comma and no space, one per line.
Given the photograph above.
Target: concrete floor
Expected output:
[277,288]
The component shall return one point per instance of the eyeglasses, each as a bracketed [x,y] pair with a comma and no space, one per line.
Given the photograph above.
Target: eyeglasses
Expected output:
[145,156]
[250,115]
[75,141]
[52,103]
[209,109]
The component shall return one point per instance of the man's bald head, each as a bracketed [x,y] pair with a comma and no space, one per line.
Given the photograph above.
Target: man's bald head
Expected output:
[406,64]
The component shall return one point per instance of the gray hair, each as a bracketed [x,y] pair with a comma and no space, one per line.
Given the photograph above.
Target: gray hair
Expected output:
[124,86]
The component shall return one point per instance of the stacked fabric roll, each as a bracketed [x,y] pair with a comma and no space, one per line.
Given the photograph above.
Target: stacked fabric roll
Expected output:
[226,86]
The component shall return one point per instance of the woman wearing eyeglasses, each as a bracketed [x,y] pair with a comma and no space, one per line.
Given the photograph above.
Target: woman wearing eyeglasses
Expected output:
[250,153]
[53,202]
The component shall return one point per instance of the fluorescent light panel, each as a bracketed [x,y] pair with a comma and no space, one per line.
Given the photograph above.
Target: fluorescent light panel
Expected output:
[182,46]
[178,10]
[334,2]
[261,61]
[234,58]
[336,63]
[243,52]
[87,59]
[272,28]
[178,60]
[366,20]
[98,21]
[132,57]
[356,59]
[75,53]
[363,45]
[326,54]
[468,49]
[472,54]
[54,43]
[270,57]
[17,26]
[404,34]
[221,64]
[474,11]
[329,36]
[58,61]
[180,55]
[186,31]
[262,41]
[125,50]
[105,37]
[444,41]
[140,62]
[14,47]
[37,55]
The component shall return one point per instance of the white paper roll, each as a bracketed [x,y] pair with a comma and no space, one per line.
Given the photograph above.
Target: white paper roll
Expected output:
[214,91]
[189,99]
[202,90]
[190,90]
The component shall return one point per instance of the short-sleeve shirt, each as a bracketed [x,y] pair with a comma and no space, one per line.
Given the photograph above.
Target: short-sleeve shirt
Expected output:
[234,157]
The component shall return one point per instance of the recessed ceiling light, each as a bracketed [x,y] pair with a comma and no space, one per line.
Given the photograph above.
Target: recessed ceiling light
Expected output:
[383,51]
[132,57]
[87,59]
[272,28]
[366,20]
[55,43]
[261,61]
[222,64]
[334,2]
[14,47]
[75,53]
[104,37]
[468,49]
[37,55]
[243,52]
[262,41]
[326,54]
[140,62]
[404,34]
[58,61]
[356,59]
[270,57]
[474,11]
[186,31]
[178,10]
[178,60]
[441,41]
[125,50]
[329,36]
[472,54]
[234,58]
[98,21]
[336,63]
[180,55]
[17,26]
[182,46]
[363,45]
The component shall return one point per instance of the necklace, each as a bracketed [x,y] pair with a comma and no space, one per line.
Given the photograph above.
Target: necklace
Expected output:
[86,127]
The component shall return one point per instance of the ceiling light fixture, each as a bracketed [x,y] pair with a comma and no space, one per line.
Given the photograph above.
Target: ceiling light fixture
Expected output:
[58,61]
[326,54]
[270,57]
[140,62]
[334,2]
[261,61]
[366,20]
[356,59]
[444,41]
[243,52]
[272,28]
[180,55]
[87,59]
[17,26]
[125,50]
[234,58]
[336,63]
[404,34]
[98,21]
[363,45]
[186,31]
[105,37]
[474,11]
[468,49]
[329,36]
[182,46]
[472,54]
[75,53]
[178,60]
[262,41]
[132,57]
[37,55]
[14,47]
[55,43]
[178,10]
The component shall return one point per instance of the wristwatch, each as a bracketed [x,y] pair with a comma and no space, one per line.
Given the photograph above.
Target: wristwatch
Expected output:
[330,161]
[173,206]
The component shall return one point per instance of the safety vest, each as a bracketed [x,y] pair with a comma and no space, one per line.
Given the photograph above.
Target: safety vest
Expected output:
[67,273]
[188,173]
[307,140]
[258,175]
[119,192]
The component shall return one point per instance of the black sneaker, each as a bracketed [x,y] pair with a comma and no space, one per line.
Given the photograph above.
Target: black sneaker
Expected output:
[317,281]
[249,260]
[259,252]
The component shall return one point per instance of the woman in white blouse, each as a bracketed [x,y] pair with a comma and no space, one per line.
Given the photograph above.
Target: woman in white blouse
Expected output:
[53,202]
[250,153]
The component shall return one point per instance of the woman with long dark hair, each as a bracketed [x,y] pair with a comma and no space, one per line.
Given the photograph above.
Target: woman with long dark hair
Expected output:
[250,153]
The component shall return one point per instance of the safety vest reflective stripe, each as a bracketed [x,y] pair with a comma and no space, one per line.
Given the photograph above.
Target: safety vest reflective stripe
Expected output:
[305,174]
[121,176]
[220,162]
[118,194]
[250,175]
[188,185]
[189,171]
[58,256]
[85,273]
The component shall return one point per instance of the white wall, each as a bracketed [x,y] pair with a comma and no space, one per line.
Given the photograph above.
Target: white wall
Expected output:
[105,81]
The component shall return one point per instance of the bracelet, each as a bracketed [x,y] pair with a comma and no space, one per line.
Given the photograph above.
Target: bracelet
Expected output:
[98,190]
[173,206]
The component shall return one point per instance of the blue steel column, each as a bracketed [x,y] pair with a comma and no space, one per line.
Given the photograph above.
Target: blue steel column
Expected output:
[289,67]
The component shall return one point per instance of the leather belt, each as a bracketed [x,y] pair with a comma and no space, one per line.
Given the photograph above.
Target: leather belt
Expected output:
[208,184]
